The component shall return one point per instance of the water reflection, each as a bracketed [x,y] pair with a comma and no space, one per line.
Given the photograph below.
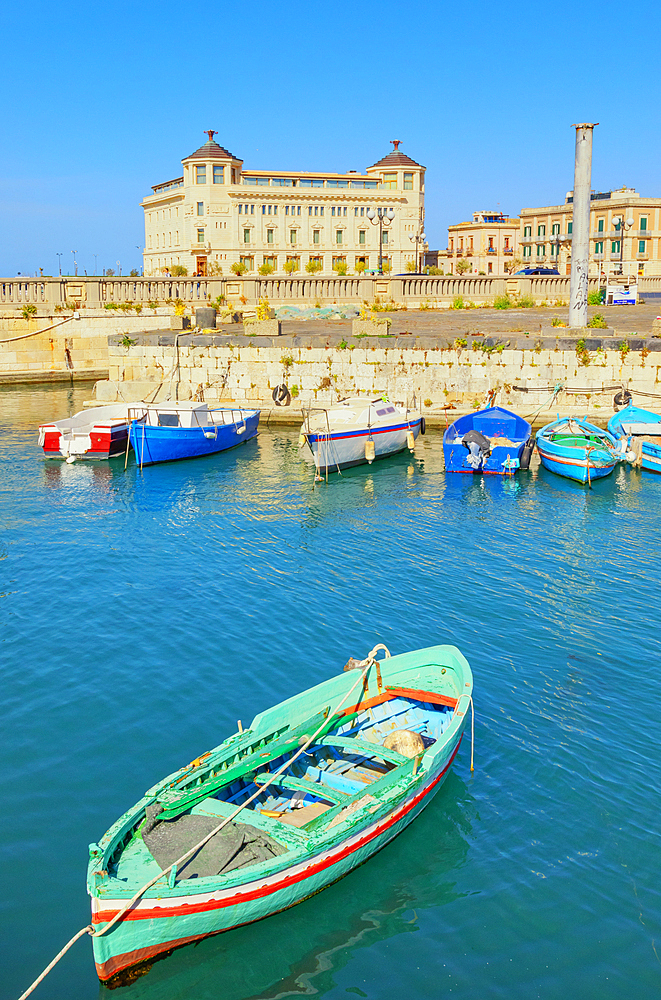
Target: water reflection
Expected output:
[300,952]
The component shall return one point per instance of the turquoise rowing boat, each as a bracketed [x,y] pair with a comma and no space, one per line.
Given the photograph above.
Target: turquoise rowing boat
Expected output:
[275,813]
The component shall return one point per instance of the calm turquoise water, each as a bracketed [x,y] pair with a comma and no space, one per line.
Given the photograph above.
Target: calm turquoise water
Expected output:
[142,615]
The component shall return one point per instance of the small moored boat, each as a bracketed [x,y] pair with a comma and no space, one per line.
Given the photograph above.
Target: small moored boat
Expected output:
[494,441]
[165,432]
[357,430]
[311,790]
[577,450]
[96,433]
[640,432]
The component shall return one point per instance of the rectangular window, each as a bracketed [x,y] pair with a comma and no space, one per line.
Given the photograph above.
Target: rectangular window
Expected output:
[307,183]
[355,211]
[273,261]
[269,236]
[316,210]
[249,262]
[390,181]
[555,229]
[321,210]
[408,182]
[200,236]
[200,174]
[246,236]
[292,236]
[339,260]
[541,250]
[643,223]
[338,236]
[270,209]
[282,182]
[319,261]
[541,230]
[362,212]
[385,237]
[599,246]
[176,238]
[617,227]
[361,237]
[275,209]
[333,210]
[527,231]
[337,184]
[309,209]
[263,209]
[252,209]
[642,244]
[200,208]
[527,251]
[240,209]
[286,209]
[615,246]
[554,249]
[600,226]
[219,175]
[570,226]
[315,236]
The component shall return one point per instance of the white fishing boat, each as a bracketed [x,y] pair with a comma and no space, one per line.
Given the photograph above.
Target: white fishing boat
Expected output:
[357,430]
[96,433]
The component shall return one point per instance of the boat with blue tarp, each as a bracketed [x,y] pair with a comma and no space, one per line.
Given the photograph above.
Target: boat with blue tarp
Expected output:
[640,430]
[165,432]
[312,789]
[493,441]
[576,449]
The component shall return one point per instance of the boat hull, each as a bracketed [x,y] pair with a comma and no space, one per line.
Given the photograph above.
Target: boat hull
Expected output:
[104,443]
[651,457]
[501,462]
[493,422]
[572,463]
[346,448]
[154,928]
[153,444]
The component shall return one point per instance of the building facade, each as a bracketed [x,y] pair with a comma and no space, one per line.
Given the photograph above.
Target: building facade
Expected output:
[487,245]
[625,232]
[219,213]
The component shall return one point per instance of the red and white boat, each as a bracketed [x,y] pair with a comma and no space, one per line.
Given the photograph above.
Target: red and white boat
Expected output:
[97,433]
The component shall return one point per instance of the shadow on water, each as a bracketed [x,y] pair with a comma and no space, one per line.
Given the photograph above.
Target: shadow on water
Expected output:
[299,952]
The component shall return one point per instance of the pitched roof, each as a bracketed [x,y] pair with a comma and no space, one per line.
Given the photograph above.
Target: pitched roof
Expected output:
[211,151]
[395,158]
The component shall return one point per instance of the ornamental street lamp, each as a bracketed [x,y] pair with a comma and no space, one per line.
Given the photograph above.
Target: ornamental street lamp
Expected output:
[382,217]
[418,239]
[59,256]
[623,225]
[75,263]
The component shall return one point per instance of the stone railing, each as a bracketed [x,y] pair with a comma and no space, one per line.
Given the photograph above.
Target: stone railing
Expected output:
[51,295]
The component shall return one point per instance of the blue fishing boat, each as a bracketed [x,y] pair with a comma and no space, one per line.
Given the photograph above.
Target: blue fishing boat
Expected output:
[640,433]
[578,450]
[164,432]
[493,441]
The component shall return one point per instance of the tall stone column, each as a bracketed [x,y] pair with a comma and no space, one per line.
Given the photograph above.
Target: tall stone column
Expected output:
[578,285]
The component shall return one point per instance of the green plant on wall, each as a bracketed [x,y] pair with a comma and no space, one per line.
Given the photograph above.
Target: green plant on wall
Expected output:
[313,266]
[595,298]
[340,268]
[127,342]
[29,311]
[265,270]
[597,322]
[238,267]
[582,353]
[291,266]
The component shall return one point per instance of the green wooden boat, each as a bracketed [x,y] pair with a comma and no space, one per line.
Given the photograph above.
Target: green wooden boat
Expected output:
[275,813]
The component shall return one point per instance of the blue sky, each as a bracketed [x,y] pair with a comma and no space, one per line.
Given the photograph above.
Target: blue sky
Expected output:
[100,101]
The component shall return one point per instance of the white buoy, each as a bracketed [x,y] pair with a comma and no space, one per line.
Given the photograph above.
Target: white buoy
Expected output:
[370,453]
[410,440]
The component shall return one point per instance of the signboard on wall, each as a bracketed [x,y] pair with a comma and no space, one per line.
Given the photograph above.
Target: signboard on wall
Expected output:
[622,294]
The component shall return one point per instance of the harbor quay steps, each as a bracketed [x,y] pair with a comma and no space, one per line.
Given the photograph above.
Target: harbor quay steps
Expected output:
[515,371]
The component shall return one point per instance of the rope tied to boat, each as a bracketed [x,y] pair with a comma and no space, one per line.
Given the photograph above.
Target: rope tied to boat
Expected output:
[366,664]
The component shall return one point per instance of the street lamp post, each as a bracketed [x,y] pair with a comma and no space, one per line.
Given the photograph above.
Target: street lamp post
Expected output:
[59,256]
[95,255]
[75,263]
[623,225]
[139,251]
[382,217]
[119,268]
[419,238]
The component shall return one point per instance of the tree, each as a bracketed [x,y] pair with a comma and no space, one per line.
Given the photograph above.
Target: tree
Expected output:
[387,267]
[313,266]
[340,268]
[239,267]
[265,270]
[214,270]
[134,273]
[513,265]
[291,265]
[463,265]
[178,271]
[360,267]
[410,266]
[109,272]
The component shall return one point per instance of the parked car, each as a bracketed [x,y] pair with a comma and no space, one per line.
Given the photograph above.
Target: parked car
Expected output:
[538,270]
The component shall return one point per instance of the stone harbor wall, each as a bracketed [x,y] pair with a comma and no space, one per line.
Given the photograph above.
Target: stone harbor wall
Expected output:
[516,371]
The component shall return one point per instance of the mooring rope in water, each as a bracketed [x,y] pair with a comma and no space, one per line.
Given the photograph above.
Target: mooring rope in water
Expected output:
[472,732]
[367,663]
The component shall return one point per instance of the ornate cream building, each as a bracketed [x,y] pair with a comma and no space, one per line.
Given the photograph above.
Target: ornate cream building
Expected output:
[488,245]
[630,243]
[220,213]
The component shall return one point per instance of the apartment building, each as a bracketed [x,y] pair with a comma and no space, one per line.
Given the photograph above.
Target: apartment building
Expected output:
[219,212]
[625,232]
[488,245]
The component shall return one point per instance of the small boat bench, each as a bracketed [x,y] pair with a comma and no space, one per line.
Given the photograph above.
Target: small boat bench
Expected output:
[301,785]
[362,748]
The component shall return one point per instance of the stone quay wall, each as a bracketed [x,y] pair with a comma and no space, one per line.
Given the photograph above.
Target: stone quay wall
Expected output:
[59,346]
[517,372]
